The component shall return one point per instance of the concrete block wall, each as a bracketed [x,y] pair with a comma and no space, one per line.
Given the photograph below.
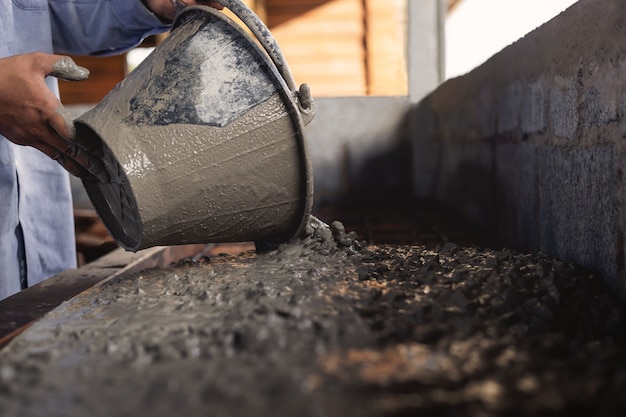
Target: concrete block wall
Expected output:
[532,144]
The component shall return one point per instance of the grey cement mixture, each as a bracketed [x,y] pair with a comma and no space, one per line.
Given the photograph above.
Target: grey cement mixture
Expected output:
[329,326]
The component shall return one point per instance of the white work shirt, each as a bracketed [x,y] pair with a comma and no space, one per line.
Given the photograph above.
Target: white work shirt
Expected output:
[36,216]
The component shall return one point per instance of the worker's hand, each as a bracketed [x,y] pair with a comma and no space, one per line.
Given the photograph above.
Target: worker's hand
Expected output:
[31,115]
[167,9]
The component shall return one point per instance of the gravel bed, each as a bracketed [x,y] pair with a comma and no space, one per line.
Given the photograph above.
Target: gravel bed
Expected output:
[329,327]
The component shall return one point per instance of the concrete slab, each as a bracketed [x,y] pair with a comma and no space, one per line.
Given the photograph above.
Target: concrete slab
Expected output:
[314,330]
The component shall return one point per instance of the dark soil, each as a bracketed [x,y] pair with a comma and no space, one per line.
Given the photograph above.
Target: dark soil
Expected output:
[329,327]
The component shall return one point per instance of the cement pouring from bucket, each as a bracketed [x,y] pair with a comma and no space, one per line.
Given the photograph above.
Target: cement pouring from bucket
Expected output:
[204,140]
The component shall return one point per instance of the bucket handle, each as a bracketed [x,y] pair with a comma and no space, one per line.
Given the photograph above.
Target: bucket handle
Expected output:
[264,36]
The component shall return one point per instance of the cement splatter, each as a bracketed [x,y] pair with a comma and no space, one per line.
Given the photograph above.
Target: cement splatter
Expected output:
[66,69]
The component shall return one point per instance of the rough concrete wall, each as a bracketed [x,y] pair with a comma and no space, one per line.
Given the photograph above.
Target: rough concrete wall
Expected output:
[531,144]
[425,42]
[359,148]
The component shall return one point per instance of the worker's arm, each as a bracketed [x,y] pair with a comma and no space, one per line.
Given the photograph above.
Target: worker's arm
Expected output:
[166,9]
[107,27]
[30,114]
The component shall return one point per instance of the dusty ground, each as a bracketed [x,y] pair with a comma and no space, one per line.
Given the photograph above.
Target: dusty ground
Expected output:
[329,327]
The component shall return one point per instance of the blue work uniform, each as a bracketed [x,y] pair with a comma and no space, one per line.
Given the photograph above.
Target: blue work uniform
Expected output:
[36,216]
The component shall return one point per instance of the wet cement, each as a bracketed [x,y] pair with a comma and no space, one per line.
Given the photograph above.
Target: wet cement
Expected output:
[66,69]
[329,327]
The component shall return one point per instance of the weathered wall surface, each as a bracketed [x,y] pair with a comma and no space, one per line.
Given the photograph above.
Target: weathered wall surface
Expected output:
[359,147]
[532,144]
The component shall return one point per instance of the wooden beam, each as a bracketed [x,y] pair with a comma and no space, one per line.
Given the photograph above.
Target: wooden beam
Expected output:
[22,309]
[385,40]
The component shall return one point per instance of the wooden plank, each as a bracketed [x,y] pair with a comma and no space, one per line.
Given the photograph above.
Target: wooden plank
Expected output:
[280,14]
[307,57]
[323,42]
[318,31]
[386,47]
[20,310]
[105,73]
[337,13]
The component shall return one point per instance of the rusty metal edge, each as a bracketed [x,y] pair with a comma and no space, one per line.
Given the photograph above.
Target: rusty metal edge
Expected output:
[20,310]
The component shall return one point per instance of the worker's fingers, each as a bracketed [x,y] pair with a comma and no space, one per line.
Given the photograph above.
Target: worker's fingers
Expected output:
[31,115]
[70,153]
[66,69]
[70,165]
[25,101]
[90,162]
[213,4]
[80,162]
[63,123]
[59,66]
[167,9]
[182,3]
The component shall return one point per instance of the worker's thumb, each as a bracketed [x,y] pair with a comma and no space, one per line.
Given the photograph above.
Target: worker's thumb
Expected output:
[66,69]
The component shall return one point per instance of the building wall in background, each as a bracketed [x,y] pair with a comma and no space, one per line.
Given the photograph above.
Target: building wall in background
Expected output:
[531,146]
[338,47]
[343,47]
[386,25]
[323,42]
